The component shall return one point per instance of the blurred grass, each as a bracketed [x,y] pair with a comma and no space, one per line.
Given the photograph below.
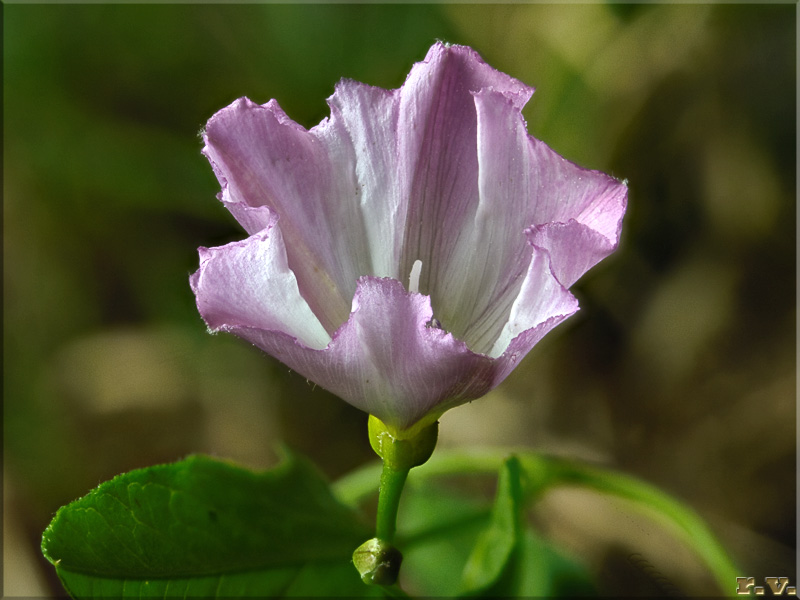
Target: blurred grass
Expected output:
[680,368]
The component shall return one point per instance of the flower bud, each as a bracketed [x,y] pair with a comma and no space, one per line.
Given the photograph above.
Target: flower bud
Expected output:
[401,454]
[378,562]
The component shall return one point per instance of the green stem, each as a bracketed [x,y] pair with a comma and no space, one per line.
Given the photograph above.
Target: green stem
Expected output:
[391,488]
[670,512]
[547,472]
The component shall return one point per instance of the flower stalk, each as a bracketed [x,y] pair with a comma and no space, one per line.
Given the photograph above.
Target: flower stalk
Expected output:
[391,488]
[545,472]
[377,560]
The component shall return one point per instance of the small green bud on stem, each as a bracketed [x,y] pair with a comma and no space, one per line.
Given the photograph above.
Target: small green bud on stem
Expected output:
[378,562]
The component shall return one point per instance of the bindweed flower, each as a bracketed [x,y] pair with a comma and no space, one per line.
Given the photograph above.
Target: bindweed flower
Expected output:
[408,251]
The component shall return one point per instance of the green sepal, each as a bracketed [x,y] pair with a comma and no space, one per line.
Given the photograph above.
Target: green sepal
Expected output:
[402,453]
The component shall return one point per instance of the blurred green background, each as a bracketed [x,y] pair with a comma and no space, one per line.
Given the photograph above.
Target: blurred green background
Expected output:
[680,368]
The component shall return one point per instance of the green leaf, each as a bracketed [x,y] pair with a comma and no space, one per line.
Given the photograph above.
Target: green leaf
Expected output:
[436,530]
[544,572]
[202,527]
[507,559]
[494,551]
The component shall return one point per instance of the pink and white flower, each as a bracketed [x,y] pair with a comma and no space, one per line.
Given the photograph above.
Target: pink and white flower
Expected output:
[408,251]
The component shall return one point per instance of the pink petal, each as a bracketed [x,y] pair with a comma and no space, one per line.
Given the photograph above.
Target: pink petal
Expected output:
[480,279]
[249,284]
[578,212]
[386,359]
[367,119]
[521,182]
[577,247]
[263,159]
[252,218]
[390,360]
[438,152]
[440,174]
[542,303]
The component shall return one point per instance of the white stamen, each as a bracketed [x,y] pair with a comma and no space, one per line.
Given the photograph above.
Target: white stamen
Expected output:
[413,278]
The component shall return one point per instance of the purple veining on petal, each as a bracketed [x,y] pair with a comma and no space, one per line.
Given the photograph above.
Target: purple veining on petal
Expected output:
[388,361]
[434,187]
[250,284]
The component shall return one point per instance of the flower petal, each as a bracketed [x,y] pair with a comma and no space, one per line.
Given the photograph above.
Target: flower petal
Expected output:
[521,182]
[485,271]
[542,303]
[438,155]
[389,358]
[578,215]
[576,246]
[416,156]
[386,359]
[252,218]
[249,284]
[437,184]
[263,159]
[366,118]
